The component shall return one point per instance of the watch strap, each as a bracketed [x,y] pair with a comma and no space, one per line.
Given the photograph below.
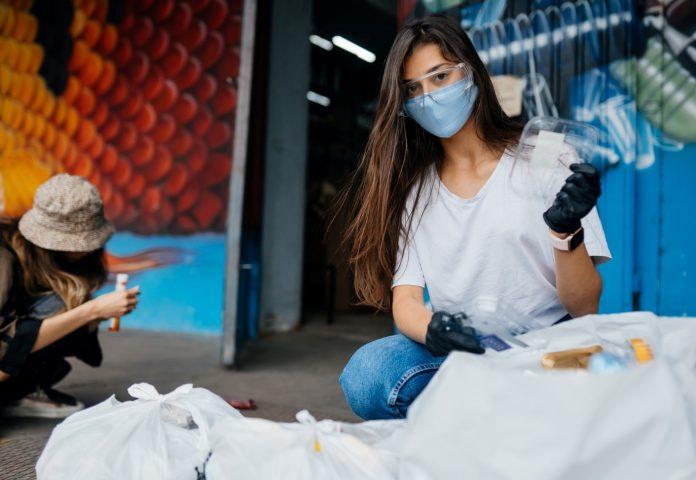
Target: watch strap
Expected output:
[570,243]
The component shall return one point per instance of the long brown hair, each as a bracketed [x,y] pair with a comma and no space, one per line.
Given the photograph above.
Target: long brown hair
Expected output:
[398,154]
[44,271]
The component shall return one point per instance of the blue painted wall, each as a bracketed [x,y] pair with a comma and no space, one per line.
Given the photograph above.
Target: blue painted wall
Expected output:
[184,293]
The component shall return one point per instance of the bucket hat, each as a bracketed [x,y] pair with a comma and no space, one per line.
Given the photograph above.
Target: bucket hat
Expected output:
[67,216]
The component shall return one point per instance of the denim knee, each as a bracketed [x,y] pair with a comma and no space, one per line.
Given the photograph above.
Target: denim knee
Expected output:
[361,385]
[383,377]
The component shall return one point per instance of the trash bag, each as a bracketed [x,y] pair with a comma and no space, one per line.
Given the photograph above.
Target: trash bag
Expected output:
[502,416]
[256,449]
[152,437]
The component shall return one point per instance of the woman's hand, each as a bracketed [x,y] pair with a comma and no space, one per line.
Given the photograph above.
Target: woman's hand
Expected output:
[114,304]
[577,197]
[446,333]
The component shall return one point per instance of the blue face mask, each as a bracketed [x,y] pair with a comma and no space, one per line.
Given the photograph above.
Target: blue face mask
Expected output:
[445,111]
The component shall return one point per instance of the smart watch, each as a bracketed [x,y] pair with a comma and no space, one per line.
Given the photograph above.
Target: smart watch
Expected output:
[569,243]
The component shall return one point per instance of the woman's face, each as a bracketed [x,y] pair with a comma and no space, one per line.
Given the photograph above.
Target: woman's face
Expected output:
[424,59]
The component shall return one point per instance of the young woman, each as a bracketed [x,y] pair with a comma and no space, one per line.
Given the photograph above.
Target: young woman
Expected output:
[443,203]
[51,262]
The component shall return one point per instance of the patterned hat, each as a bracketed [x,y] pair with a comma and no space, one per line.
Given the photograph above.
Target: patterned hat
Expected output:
[67,216]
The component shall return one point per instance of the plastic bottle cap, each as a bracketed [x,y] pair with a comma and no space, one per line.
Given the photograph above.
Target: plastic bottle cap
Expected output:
[641,350]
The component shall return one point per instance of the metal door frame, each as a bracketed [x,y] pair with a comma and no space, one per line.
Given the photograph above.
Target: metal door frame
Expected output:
[236,184]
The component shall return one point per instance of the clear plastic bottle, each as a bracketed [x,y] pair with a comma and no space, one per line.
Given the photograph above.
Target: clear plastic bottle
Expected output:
[545,141]
[497,323]
[615,358]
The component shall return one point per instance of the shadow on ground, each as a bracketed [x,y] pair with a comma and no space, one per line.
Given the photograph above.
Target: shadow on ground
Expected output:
[283,373]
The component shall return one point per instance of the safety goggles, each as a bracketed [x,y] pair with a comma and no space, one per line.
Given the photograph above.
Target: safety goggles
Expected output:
[434,81]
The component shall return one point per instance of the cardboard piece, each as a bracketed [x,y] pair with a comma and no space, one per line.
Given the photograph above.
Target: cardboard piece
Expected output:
[547,149]
[508,89]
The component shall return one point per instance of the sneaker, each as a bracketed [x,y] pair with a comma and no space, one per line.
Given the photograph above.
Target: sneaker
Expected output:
[44,403]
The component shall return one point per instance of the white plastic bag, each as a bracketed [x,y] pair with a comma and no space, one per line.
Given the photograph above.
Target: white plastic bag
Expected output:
[152,437]
[502,417]
[256,449]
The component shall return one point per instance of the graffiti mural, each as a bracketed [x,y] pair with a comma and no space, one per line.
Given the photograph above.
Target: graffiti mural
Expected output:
[137,96]
[628,67]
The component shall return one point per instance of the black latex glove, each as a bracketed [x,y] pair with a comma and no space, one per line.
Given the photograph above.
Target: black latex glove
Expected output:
[446,333]
[575,200]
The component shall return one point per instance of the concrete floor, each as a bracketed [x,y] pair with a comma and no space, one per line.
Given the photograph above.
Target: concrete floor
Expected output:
[283,373]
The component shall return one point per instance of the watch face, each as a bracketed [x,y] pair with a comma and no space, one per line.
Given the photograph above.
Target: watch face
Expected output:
[577,239]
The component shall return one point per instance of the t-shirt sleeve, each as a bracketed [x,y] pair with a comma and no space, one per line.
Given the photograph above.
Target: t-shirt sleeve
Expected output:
[595,241]
[408,268]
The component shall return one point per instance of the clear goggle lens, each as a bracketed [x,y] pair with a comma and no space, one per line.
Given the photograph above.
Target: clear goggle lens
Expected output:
[434,81]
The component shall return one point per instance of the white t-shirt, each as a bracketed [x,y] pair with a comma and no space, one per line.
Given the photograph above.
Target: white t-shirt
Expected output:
[494,244]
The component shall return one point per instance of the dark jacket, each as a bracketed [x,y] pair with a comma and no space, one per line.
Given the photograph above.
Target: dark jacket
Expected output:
[18,330]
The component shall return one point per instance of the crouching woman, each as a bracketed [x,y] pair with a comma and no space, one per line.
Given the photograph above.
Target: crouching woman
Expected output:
[51,263]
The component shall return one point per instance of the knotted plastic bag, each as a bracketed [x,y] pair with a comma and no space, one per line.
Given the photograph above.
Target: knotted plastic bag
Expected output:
[154,436]
[260,449]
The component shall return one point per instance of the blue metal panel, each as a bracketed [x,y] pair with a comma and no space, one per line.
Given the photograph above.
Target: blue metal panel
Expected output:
[249,289]
[677,275]
[617,209]
[648,234]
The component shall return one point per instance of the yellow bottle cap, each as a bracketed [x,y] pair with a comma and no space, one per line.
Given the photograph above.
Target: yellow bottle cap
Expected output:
[641,350]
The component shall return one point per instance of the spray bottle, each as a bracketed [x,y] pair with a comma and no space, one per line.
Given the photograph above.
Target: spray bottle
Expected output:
[121,280]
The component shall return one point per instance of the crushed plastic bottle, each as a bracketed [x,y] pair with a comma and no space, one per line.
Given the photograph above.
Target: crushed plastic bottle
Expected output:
[635,352]
[497,323]
[545,141]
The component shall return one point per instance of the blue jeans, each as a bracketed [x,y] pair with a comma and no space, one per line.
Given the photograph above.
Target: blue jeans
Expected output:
[384,377]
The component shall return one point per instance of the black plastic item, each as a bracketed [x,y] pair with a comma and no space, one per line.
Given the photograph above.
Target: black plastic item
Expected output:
[446,332]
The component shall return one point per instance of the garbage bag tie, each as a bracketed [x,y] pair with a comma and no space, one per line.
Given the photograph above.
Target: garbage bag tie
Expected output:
[145,391]
[306,418]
